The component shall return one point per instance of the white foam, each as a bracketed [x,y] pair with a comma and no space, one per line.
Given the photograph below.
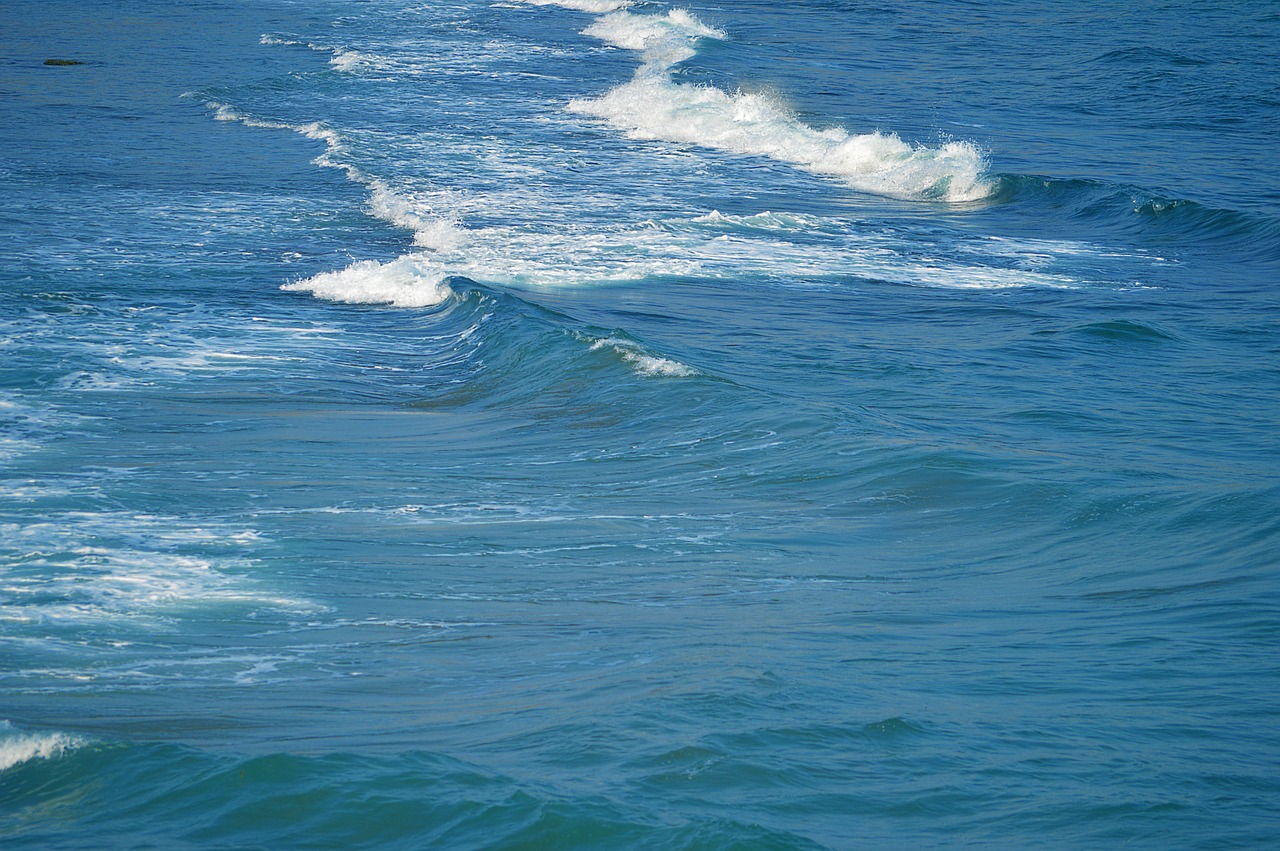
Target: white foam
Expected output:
[953,276]
[25,425]
[641,361]
[654,107]
[598,7]
[713,245]
[431,230]
[342,58]
[29,490]
[677,31]
[650,365]
[351,60]
[17,748]
[200,359]
[543,249]
[107,567]
[404,282]
[767,221]
[412,281]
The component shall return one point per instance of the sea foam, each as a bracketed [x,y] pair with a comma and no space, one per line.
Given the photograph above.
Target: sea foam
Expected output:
[404,282]
[638,32]
[17,748]
[341,58]
[597,7]
[642,362]
[654,106]
[94,568]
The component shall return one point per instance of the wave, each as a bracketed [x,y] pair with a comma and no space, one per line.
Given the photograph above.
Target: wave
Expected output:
[315,130]
[153,795]
[594,6]
[405,282]
[1155,218]
[654,106]
[554,255]
[549,253]
[501,344]
[643,362]
[17,748]
[342,58]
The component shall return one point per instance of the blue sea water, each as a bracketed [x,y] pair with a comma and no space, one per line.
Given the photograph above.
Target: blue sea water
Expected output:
[581,424]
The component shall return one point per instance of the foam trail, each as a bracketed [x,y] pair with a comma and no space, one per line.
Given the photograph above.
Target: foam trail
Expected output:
[333,142]
[401,283]
[94,568]
[598,7]
[341,58]
[639,32]
[665,40]
[653,106]
[710,246]
[430,230]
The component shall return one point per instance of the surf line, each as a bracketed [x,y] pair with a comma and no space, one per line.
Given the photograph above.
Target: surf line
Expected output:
[654,106]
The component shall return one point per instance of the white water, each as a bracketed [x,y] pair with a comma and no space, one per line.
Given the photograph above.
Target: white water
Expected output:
[17,748]
[537,249]
[654,106]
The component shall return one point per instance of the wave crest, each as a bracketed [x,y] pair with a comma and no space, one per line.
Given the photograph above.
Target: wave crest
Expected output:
[17,748]
[404,282]
[654,106]
[598,7]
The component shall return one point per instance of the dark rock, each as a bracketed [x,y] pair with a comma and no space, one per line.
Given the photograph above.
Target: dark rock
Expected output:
[62,62]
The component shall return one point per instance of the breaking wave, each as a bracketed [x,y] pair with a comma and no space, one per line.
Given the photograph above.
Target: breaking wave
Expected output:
[653,105]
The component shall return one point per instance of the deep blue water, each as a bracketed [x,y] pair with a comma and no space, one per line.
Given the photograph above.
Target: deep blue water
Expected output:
[576,425]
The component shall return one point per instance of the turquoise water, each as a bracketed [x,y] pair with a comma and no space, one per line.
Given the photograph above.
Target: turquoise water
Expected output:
[580,425]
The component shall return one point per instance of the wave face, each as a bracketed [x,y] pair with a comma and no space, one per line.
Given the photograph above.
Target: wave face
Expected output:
[603,424]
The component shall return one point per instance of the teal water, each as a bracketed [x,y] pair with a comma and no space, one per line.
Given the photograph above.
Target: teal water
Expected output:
[581,425]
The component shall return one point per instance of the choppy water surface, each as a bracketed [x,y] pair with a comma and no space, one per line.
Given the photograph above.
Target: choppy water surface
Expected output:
[605,425]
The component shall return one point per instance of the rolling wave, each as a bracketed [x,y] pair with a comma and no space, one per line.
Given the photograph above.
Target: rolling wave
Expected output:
[1151,216]
[414,798]
[17,747]
[653,105]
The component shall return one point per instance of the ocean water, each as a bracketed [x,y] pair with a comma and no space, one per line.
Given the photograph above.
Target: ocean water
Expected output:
[580,424]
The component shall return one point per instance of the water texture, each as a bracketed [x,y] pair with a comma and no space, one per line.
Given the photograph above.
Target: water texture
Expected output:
[590,424]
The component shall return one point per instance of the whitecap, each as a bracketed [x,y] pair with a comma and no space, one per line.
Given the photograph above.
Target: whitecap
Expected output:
[17,748]
[642,362]
[404,282]
[653,106]
[656,108]
[598,7]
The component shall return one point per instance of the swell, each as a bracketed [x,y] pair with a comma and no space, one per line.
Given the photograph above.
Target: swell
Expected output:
[1148,216]
[105,794]
[523,356]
